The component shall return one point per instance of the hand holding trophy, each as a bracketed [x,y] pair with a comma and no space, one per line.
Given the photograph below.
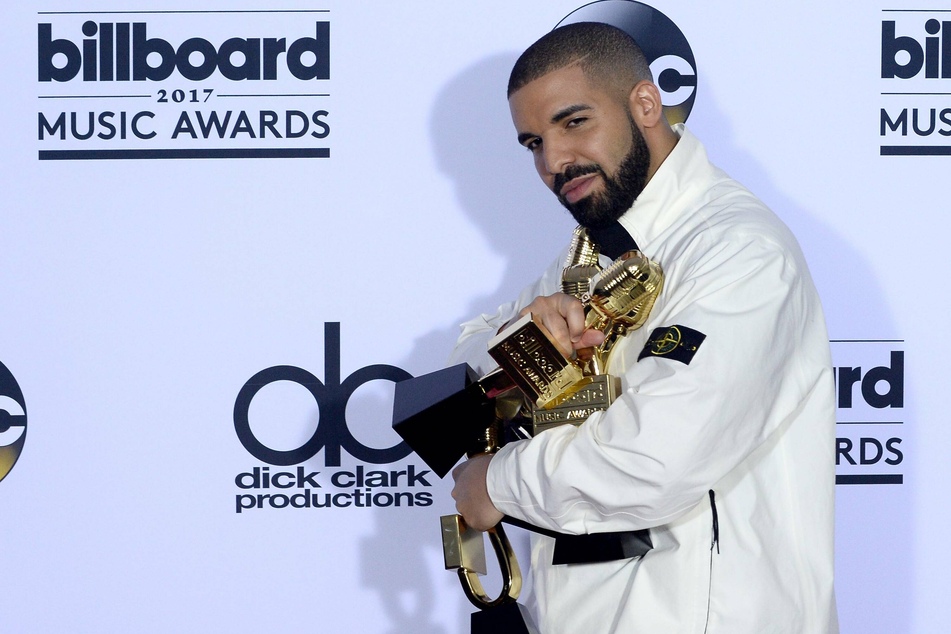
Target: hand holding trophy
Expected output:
[563,390]
[446,414]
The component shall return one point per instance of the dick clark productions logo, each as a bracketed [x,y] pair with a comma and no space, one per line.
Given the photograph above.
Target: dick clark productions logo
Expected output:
[331,395]
[361,486]
[12,421]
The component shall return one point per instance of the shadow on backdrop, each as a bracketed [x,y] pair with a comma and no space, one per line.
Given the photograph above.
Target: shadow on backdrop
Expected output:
[475,146]
[495,182]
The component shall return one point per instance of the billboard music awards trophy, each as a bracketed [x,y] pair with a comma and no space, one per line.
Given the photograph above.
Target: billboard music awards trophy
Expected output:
[450,413]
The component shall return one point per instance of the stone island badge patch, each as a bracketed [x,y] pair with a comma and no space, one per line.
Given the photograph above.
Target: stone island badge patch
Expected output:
[673,342]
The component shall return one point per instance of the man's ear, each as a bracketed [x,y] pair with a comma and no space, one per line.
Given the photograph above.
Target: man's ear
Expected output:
[645,104]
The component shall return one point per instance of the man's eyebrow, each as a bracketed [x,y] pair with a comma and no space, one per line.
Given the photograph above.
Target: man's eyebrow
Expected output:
[567,112]
[562,114]
[525,136]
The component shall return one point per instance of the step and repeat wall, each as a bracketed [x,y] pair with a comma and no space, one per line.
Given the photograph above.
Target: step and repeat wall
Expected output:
[229,228]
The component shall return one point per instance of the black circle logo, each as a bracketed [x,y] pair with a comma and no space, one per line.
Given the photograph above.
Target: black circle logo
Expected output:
[12,421]
[333,432]
[667,50]
[667,342]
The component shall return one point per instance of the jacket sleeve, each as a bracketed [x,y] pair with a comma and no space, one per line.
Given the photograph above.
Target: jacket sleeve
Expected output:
[679,427]
[472,346]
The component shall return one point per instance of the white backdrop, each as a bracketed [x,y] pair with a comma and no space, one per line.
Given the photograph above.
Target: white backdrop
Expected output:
[141,294]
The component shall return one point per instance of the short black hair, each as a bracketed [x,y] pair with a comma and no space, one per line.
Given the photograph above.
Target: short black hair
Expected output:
[606,55]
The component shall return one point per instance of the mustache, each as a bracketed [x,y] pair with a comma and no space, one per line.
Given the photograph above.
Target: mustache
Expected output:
[574,171]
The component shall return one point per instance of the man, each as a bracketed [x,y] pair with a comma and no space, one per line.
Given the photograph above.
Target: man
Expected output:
[722,441]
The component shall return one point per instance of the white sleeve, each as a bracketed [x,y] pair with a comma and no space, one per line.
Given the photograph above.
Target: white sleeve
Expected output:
[678,428]
[472,346]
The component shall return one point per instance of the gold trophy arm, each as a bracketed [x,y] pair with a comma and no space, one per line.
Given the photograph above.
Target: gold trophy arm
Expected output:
[581,265]
[468,545]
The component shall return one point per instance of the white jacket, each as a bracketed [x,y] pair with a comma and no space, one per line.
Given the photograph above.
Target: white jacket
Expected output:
[751,417]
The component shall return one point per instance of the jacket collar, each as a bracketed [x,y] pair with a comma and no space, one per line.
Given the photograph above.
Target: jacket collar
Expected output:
[685,171]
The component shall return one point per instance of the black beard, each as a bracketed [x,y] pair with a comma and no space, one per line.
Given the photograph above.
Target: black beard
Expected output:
[620,191]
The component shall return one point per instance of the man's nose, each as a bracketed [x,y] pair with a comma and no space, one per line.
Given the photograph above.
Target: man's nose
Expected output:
[556,155]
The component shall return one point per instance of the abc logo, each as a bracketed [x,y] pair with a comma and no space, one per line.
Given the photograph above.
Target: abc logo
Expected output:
[12,421]
[333,432]
[667,50]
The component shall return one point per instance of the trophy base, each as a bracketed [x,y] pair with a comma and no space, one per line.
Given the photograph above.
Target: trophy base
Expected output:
[508,618]
[591,394]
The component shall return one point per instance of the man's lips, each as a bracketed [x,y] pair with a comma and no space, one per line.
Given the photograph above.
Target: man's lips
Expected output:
[577,188]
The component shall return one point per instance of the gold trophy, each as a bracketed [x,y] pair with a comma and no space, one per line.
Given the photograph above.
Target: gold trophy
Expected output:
[617,300]
[555,390]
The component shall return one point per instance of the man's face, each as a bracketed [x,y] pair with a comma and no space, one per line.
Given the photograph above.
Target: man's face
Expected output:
[586,146]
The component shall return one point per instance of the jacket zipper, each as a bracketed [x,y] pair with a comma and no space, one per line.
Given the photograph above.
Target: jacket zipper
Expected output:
[715,541]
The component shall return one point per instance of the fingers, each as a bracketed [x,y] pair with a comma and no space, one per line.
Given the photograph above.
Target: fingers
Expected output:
[574,316]
[560,316]
[563,318]
[472,498]
[589,338]
[557,328]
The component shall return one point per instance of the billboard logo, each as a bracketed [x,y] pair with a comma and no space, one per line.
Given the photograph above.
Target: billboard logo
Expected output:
[915,119]
[870,399]
[667,50]
[931,55]
[115,56]
[12,421]
[190,84]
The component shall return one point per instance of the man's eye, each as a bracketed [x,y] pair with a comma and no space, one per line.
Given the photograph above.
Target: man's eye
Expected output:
[573,123]
[533,145]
